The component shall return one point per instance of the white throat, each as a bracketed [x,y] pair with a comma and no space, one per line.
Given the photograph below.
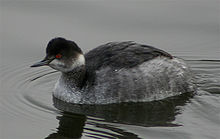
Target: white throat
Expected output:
[63,67]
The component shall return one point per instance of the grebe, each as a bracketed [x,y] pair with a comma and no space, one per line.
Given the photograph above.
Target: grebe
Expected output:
[115,72]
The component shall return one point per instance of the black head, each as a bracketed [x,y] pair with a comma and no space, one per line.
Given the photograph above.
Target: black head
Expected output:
[62,46]
[62,55]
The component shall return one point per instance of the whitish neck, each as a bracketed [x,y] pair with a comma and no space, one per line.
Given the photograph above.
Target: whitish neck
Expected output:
[80,61]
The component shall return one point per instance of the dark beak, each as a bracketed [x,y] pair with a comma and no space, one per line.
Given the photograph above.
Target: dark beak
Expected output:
[44,62]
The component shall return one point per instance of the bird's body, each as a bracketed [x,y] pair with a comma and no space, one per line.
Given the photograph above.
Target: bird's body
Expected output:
[121,72]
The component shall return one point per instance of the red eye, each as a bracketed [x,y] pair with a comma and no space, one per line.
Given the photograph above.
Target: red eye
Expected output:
[58,56]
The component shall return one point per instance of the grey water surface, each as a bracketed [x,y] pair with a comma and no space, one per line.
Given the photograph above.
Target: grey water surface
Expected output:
[189,29]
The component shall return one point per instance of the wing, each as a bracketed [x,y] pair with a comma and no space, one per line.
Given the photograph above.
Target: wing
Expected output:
[121,55]
[118,55]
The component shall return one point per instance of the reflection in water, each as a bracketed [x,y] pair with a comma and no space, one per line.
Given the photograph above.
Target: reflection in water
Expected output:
[70,126]
[72,122]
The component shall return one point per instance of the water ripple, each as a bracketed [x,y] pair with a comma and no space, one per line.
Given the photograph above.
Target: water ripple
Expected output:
[28,94]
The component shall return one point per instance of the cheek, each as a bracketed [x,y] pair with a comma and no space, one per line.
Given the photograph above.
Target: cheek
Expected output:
[57,64]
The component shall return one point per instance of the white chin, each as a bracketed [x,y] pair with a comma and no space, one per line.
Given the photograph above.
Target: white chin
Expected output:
[58,65]
[61,66]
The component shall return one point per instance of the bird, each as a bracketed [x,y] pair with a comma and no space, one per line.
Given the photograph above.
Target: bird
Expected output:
[115,72]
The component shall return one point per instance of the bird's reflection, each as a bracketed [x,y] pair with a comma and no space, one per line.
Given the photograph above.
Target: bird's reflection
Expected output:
[93,120]
[70,126]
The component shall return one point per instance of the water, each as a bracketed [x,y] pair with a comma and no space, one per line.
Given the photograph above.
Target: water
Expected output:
[188,29]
